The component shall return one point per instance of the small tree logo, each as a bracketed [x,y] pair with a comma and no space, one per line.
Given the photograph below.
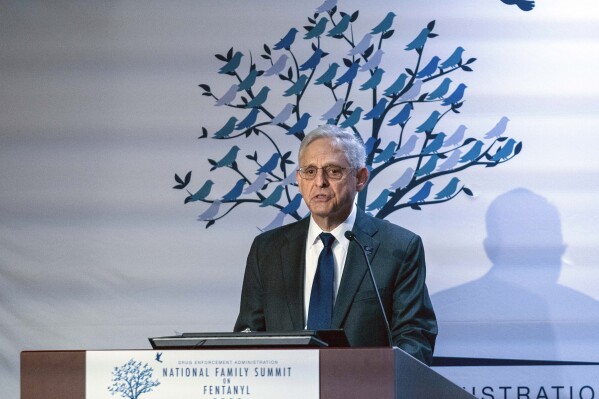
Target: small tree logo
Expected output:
[132,379]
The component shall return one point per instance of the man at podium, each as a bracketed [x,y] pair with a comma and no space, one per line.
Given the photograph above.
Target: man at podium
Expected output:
[310,275]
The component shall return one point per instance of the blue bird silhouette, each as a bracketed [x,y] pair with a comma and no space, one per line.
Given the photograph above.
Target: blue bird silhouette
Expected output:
[457,136]
[429,124]
[228,159]
[374,61]
[418,41]
[232,64]
[334,111]
[328,75]
[451,161]
[326,6]
[276,222]
[524,5]
[249,120]
[259,99]
[456,96]
[435,145]
[300,125]
[505,151]
[421,195]
[248,81]
[227,129]
[454,59]
[341,26]
[449,189]
[377,110]
[498,129]
[473,152]
[352,119]
[407,147]
[317,29]
[428,167]
[374,80]
[369,144]
[293,205]
[273,198]
[430,68]
[211,212]
[313,61]
[202,193]
[402,116]
[289,179]
[384,25]
[440,91]
[386,154]
[361,46]
[256,184]
[235,192]
[287,40]
[403,180]
[297,87]
[413,91]
[379,202]
[228,97]
[349,75]
[270,165]
[283,115]
[278,66]
[158,357]
[396,86]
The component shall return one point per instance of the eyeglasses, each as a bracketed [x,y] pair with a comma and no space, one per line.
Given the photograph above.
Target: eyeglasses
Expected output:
[332,172]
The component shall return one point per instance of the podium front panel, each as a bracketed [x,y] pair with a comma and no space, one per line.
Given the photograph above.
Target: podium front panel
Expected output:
[53,375]
[356,373]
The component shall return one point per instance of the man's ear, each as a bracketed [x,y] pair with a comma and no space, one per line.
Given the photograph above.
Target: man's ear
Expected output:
[361,179]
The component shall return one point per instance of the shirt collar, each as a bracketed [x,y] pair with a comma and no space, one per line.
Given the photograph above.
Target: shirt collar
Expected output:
[339,232]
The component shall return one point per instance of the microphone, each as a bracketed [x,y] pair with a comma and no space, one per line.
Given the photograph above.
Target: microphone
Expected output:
[352,237]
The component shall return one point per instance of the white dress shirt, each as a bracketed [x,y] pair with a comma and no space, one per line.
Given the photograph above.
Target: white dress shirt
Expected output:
[313,248]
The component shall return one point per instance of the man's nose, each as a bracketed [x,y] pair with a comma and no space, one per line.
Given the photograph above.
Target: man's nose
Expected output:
[321,179]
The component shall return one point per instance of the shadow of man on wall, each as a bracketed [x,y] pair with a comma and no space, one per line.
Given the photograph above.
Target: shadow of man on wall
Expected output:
[518,310]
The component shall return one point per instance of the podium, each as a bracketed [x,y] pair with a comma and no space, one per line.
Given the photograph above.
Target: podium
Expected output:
[356,373]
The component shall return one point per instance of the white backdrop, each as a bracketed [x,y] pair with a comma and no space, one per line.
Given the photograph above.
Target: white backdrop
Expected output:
[100,107]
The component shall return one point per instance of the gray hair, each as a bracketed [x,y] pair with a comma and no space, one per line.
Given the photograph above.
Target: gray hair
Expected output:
[351,145]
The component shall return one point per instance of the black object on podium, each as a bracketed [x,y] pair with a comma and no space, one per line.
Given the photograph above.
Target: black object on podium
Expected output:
[288,339]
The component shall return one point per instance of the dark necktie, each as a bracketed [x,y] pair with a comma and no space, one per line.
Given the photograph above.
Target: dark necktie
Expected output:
[320,311]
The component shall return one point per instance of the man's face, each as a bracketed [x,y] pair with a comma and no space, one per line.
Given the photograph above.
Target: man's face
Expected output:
[330,201]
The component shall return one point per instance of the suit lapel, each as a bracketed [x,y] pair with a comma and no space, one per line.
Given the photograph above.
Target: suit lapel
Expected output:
[293,259]
[355,266]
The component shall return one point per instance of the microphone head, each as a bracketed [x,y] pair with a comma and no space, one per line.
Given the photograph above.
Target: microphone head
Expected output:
[350,235]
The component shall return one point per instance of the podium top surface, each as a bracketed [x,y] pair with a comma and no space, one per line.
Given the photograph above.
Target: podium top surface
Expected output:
[258,339]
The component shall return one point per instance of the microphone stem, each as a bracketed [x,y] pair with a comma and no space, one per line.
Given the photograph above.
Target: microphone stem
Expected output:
[376,289]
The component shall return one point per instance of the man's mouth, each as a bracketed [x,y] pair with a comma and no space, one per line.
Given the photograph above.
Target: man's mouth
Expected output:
[321,197]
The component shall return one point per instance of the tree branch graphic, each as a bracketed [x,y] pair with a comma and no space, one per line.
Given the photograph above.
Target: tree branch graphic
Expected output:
[379,103]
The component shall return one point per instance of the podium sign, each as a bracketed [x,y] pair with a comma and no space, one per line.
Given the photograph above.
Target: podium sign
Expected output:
[213,374]
[329,373]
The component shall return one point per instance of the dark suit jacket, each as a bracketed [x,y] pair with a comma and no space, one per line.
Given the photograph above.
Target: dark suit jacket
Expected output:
[272,297]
